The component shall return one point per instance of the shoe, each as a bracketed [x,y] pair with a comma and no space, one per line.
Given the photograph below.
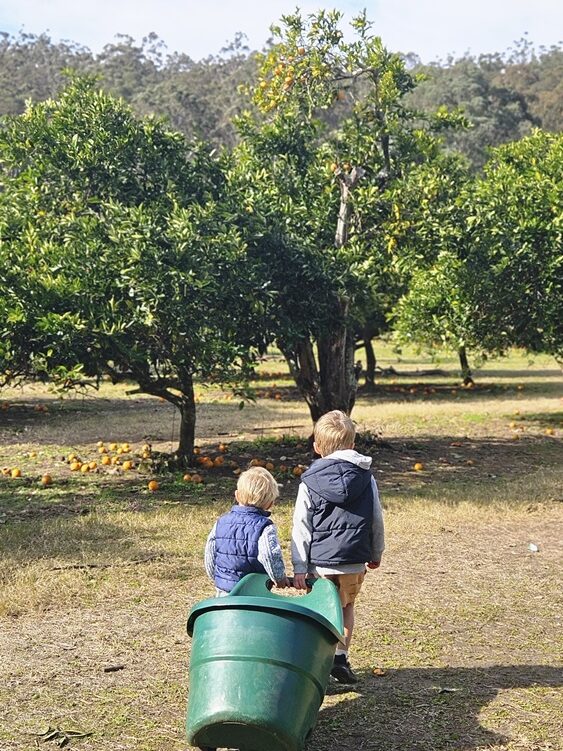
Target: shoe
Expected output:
[342,671]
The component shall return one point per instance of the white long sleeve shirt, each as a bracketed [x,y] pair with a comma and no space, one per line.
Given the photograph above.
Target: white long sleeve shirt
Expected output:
[303,527]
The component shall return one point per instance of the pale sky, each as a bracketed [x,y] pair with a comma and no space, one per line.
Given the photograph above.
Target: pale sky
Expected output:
[431,28]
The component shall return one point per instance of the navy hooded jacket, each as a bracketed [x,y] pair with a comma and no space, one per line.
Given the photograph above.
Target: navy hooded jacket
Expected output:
[236,545]
[342,501]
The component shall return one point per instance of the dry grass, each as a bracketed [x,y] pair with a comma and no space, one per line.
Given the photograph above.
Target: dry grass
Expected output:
[462,617]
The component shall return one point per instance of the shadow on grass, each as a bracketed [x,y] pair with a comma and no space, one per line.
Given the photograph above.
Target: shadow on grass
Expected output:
[453,469]
[93,542]
[434,392]
[427,709]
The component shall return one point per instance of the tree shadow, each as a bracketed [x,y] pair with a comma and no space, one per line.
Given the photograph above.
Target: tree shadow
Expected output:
[423,709]
[92,543]
[415,390]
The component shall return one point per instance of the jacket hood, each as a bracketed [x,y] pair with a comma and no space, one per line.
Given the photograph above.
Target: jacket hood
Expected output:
[339,478]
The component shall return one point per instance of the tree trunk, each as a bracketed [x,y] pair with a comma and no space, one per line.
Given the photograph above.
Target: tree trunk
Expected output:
[465,369]
[187,409]
[371,362]
[332,383]
[303,368]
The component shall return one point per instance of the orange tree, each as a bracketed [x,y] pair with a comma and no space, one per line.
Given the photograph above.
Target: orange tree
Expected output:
[484,253]
[330,136]
[119,256]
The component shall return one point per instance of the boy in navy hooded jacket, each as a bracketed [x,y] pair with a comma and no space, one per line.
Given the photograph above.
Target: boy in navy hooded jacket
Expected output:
[337,523]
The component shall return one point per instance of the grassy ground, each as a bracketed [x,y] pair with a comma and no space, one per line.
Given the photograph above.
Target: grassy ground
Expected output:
[458,637]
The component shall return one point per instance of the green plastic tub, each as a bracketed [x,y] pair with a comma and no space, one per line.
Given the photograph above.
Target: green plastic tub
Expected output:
[259,665]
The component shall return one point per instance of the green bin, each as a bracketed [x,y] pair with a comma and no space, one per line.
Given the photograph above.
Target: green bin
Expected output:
[259,665]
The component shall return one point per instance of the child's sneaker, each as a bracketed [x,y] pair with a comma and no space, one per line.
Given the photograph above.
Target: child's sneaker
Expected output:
[342,671]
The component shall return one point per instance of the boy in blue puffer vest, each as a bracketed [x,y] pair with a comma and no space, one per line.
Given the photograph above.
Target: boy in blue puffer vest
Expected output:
[337,523]
[245,540]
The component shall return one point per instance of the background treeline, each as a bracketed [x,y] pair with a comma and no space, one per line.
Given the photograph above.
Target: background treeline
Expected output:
[504,94]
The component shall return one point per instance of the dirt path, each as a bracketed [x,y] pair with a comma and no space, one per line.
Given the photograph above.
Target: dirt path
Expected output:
[463,619]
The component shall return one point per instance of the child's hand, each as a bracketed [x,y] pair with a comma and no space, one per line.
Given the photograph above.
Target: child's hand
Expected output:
[373,564]
[283,583]
[299,581]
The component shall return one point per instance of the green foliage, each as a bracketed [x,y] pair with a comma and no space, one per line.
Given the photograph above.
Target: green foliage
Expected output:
[515,235]
[118,252]
[503,96]
[484,254]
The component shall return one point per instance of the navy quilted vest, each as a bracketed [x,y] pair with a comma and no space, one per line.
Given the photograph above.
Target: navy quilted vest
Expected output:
[341,496]
[236,545]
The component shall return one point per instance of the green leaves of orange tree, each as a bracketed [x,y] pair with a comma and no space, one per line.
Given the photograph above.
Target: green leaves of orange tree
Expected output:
[483,254]
[118,253]
[330,136]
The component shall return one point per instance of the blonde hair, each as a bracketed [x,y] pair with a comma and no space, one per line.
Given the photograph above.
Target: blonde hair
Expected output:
[333,431]
[257,487]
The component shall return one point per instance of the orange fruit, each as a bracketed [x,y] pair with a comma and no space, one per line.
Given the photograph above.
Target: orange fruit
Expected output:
[257,462]
[418,467]
[549,431]
[100,444]
[46,480]
[75,466]
[106,460]
[197,478]
[113,446]
[115,460]
[146,455]
[127,465]
[85,468]
[187,477]
[298,471]
[102,450]
[93,465]
[269,466]
[222,447]
[218,461]
[32,454]
[153,486]
[16,472]
[197,450]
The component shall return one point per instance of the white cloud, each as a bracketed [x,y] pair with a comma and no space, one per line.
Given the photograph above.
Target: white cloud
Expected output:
[432,28]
